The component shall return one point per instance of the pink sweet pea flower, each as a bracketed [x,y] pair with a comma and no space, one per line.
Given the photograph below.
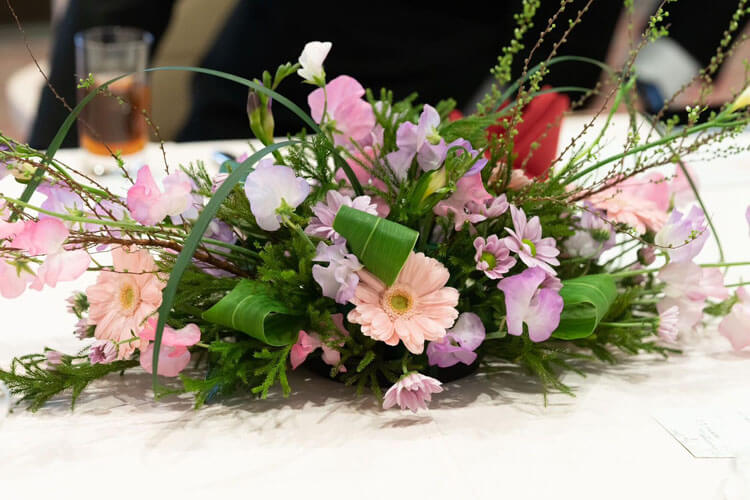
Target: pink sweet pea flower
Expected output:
[689,312]
[736,326]
[526,240]
[149,205]
[308,343]
[469,189]
[669,320]
[352,116]
[526,303]
[412,391]
[689,280]
[640,202]
[173,354]
[365,178]
[684,235]
[420,139]
[39,238]
[459,343]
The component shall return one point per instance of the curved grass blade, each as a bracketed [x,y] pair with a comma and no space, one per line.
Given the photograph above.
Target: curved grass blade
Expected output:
[62,132]
[587,300]
[194,239]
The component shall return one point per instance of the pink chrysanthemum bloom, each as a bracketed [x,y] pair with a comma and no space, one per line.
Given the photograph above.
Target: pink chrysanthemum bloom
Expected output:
[412,391]
[526,240]
[121,300]
[668,323]
[322,224]
[417,307]
[493,257]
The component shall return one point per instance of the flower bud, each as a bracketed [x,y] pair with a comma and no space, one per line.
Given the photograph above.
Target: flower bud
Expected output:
[260,116]
[646,256]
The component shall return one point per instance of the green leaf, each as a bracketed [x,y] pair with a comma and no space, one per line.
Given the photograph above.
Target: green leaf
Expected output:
[587,300]
[250,309]
[194,239]
[382,245]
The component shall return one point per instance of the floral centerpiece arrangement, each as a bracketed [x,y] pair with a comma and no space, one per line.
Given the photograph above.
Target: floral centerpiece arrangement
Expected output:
[393,246]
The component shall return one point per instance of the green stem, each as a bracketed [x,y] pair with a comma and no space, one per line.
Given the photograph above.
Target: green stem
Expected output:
[644,147]
[725,264]
[634,272]
[741,283]
[629,324]
[294,227]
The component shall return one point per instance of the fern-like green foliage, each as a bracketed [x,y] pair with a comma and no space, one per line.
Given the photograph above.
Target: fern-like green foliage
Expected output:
[35,381]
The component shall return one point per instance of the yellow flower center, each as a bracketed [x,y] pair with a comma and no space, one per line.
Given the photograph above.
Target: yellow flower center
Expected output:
[490,259]
[531,245]
[128,297]
[398,302]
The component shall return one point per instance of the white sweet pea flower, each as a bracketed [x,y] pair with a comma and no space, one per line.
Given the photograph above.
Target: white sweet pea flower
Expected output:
[311,61]
[268,187]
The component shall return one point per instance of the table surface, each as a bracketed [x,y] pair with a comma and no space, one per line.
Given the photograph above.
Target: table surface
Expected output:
[482,438]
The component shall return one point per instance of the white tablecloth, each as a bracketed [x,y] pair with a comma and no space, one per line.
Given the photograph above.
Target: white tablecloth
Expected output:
[482,438]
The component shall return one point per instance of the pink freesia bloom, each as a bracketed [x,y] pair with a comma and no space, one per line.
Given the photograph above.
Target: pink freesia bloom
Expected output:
[340,279]
[526,303]
[321,225]
[308,343]
[121,300]
[640,202]
[412,391]
[417,307]
[736,326]
[365,178]
[689,280]
[268,186]
[493,257]
[684,235]
[526,240]
[668,323]
[459,343]
[352,116]
[469,189]
[148,205]
[421,140]
[173,352]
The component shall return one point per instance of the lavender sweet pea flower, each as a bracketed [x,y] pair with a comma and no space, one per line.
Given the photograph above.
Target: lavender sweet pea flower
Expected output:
[322,224]
[339,280]
[464,145]
[102,351]
[526,240]
[267,186]
[220,231]
[459,343]
[526,303]
[688,233]
[421,140]
[593,237]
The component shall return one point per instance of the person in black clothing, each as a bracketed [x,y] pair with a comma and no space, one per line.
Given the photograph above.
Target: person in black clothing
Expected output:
[399,45]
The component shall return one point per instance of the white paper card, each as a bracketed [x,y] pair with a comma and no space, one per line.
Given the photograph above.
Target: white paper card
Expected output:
[709,433]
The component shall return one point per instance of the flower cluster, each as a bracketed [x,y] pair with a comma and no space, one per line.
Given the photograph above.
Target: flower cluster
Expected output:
[394,244]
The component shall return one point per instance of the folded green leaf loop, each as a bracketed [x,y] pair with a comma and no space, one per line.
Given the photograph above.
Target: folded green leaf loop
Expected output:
[380,244]
[587,300]
[250,309]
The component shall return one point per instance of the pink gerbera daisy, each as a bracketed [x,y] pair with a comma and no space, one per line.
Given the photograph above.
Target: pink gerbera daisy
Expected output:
[417,307]
[121,300]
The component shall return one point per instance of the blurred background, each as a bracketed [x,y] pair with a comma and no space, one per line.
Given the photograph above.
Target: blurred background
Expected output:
[195,24]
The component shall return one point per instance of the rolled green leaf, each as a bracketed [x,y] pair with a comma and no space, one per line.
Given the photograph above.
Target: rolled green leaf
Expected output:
[587,300]
[380,244]
[250,309]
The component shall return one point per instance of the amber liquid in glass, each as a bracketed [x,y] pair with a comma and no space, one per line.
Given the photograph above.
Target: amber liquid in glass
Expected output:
[110,122]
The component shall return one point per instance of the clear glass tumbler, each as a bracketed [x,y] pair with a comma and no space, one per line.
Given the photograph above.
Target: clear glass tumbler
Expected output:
[114,119]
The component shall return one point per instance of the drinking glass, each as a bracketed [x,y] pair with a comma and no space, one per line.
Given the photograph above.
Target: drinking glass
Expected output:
[114,119]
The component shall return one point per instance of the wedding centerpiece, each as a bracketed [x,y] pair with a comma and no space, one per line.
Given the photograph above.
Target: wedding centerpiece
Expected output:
[392,245]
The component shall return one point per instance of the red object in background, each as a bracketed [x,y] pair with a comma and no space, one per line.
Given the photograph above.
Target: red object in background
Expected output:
[541,123]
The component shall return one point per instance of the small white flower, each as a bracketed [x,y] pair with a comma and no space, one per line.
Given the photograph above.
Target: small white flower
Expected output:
[267,187]
[311,61]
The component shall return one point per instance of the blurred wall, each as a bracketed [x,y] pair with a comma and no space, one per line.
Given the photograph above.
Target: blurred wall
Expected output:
[193,28]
